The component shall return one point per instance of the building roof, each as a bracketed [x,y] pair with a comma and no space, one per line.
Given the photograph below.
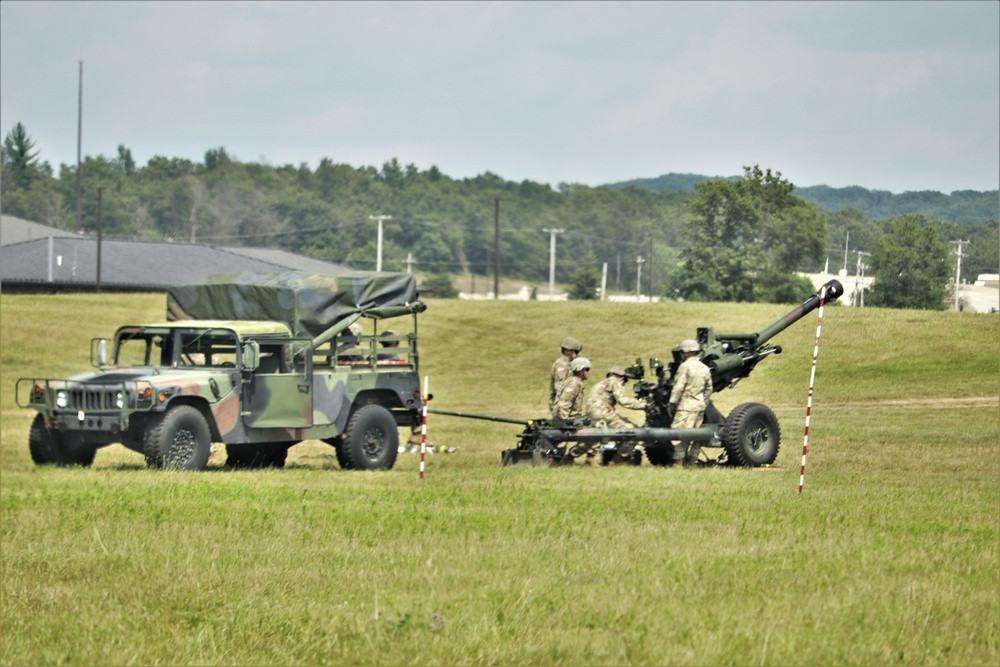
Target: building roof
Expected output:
[35,257]
[15,230]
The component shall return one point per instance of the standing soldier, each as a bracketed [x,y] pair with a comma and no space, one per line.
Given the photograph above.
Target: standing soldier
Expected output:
[604,398]
[688,400]
[571,348]
[569,402]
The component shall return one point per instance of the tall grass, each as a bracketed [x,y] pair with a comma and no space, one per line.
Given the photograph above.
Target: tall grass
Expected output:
[890,556]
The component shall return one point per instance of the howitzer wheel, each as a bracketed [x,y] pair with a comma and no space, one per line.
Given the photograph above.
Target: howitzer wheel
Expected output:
[660,454]
[751,435]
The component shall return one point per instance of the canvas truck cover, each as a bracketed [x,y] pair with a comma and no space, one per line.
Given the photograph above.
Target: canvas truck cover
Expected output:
[310,302]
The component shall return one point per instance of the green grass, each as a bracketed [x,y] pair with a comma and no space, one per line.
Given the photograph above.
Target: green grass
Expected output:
[890,556]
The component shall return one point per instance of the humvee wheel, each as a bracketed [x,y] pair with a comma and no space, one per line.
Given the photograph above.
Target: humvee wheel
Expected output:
[180,440]
[371,440]
[48,448]
[751,436]
[267,455]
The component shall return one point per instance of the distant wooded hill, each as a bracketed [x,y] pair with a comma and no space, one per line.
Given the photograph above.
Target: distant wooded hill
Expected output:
[968,207]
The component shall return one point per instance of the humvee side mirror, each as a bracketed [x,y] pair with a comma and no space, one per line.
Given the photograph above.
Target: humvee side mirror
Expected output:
[99,352]
[251,355]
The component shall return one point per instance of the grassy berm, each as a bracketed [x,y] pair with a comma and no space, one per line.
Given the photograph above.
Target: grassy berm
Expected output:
[889,557]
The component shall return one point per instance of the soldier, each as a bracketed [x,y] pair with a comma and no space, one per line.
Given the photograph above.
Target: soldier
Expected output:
[392,346]
[571,348]
[569,402]
[688,400]
[601,407]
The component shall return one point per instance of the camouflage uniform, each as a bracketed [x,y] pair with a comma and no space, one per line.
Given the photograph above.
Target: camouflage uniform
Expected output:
[692,389]
[560,373]
[601,403]
[569,402]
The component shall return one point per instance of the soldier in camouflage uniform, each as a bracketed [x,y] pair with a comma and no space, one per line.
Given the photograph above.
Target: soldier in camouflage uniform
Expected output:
[569,402]
[688,400]
[571,348]
[601,407]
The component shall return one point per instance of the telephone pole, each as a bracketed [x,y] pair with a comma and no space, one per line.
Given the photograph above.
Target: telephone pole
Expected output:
[496,248]
[638,276]
[79,143]
[378,249]
[552,260]
[958,274]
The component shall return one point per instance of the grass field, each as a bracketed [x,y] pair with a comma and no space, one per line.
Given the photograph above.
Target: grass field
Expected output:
[890,556]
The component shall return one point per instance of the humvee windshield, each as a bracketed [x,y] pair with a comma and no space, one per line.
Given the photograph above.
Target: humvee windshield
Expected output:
[176,348]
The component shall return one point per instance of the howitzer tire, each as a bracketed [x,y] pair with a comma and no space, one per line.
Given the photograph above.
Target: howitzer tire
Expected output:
[50,448]
[751,436]
[267,455]
[179,440]
[660,454]
[371,440]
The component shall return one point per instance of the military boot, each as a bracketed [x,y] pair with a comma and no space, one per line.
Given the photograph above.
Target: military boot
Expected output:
[691,460]
[679,451]
[592,461]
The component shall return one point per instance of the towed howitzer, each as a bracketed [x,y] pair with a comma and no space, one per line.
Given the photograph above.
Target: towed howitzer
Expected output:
[750,434]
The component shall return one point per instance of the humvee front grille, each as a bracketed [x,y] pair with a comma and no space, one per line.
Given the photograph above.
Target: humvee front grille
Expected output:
[90,399]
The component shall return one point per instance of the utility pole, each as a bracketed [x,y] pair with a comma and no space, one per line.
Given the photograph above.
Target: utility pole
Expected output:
[496,248]
[861,270]
[650,235]
[100,202]
[409,262]
[604,281]
[552,260]
[638,276]
[79,144]
[847,244]
[378,249]
[958,274]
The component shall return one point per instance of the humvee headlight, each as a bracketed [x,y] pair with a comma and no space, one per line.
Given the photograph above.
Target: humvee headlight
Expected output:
[119,400]
[62,399]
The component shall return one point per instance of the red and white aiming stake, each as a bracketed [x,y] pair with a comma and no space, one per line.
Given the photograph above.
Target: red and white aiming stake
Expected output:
[423,430]
[812,384]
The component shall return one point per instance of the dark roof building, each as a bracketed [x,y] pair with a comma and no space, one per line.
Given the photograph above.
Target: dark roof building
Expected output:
[32,260]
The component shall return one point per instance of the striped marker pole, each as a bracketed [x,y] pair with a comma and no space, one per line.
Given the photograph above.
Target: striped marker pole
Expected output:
[812,384]
[423,430]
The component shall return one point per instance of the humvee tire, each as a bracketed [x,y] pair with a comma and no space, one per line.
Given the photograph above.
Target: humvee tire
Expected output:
[179,440]
[751,435]
[48,448]
[371,440]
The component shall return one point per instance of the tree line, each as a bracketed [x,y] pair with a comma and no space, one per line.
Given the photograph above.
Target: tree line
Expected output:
[685,242]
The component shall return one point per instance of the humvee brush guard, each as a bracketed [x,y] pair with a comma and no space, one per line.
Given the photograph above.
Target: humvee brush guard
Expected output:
[258,361]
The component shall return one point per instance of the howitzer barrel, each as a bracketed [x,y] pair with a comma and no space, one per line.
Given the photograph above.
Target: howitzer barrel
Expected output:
[489,418]
[638,434]
[833,291]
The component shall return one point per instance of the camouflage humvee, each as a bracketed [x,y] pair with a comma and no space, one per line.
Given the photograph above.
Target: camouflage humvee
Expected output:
[257,361]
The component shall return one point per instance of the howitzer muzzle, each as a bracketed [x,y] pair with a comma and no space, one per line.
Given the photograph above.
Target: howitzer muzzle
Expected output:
[831,291]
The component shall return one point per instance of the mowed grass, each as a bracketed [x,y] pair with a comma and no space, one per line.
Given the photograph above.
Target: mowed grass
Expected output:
[890,556]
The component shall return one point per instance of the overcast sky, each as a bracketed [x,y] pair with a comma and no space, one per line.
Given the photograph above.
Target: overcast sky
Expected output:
[896,96]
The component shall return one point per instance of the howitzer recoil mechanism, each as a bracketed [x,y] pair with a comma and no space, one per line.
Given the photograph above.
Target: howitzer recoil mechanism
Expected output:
[750,435]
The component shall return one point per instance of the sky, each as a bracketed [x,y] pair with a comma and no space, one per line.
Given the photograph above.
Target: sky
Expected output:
[897,96]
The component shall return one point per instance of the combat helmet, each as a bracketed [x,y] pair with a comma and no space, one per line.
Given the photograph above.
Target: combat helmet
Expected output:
[570,343]
[580,364]
[689,345]
[616,370]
